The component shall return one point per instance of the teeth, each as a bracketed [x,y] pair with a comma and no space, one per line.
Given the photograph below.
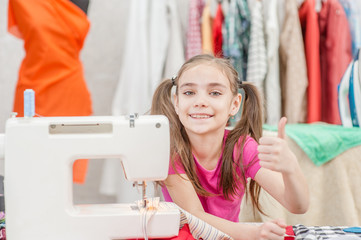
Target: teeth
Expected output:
[200,116]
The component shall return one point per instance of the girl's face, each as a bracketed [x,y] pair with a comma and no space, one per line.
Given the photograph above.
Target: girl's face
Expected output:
[205,101]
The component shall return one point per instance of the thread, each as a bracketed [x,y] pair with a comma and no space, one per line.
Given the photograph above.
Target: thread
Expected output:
[29,103]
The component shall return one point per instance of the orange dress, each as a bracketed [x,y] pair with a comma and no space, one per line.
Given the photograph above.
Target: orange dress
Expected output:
[53,32]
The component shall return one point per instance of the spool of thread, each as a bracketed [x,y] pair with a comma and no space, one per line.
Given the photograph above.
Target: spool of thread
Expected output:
[29,103]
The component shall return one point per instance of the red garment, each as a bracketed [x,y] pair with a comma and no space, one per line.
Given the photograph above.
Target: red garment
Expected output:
[336,54]
[53,32]
[289,231]
[217,32]
[311,37]
[184,234]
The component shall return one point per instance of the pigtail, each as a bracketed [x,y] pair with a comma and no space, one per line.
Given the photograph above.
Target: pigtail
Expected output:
[181,149]
[162,105]
[251,121]
[250,124]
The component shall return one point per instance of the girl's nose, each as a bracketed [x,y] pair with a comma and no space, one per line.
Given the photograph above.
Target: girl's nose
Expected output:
[201,101]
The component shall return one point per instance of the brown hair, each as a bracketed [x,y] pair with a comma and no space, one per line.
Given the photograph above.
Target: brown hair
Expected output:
[249,124]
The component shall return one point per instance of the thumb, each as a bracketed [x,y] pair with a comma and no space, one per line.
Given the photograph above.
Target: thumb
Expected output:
[282,128]
[281,223]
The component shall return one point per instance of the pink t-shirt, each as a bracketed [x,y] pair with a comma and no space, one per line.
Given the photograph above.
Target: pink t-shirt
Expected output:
[218,205]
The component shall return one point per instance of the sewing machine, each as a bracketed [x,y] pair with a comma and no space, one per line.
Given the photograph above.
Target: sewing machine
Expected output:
[39,155]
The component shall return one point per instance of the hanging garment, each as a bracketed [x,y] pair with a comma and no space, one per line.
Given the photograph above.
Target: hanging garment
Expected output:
[343,101]
[236,34]
[355,93]
[272,82]
[53,32]
[194,34]
[207,22]
[311,37]
[335,55]
[217,31]
[353,13]
[293,66]
[257,59]
[357,89]
[153,50]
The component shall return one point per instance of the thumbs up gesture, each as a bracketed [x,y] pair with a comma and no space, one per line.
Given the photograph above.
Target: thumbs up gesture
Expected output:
[274,153]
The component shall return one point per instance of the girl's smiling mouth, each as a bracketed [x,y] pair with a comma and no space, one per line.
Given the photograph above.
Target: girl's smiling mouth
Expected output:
[200,116]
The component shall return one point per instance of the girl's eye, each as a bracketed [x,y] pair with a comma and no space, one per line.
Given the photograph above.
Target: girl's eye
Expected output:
[188,93]
[215,93]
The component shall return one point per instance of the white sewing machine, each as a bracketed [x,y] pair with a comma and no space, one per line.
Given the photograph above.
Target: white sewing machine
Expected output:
[39,153]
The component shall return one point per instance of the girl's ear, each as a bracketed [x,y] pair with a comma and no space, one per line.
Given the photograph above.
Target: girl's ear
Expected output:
[175,102]
[236,103]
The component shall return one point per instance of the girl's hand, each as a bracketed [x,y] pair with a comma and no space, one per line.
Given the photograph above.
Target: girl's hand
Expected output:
[274,153]
[273,230]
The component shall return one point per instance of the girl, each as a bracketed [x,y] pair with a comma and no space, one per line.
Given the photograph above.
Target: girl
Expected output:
[210,165]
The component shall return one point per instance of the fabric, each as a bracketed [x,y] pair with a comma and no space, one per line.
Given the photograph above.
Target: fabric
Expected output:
[153,47]
[236,34]
[53,32]
[343,97]
[293,66]
[194,35]
[311,37]
[353,13]
[184,234]
[354,96]
[290,233]
[357,87]
[218,205]
[272,81]
[257,59]
[217,31]
[199,228]
[207,22]
[322,142]
[335,55]
[324,232]
[153,50]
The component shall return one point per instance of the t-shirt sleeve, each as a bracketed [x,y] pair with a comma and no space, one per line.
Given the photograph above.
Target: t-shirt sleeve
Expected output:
[178,167]
[250,157]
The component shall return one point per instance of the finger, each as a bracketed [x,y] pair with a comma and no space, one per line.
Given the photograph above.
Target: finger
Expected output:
[268,140]
[280,227]
[281,223]
[274,236]
[282,128]
[266,157]
[267,165]
[265,149]
[273,230]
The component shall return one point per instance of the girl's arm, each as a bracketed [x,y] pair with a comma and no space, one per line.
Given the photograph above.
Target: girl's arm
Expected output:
[183,194]
[281,175]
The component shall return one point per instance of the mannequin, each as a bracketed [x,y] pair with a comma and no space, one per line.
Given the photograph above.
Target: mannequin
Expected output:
[82,4]
[53,32]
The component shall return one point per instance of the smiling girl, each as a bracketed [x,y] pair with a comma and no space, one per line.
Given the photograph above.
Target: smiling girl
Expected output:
[210,165]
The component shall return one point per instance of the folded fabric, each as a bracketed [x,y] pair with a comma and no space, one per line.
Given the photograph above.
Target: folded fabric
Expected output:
[199,228]
[322,233]
[322,142]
